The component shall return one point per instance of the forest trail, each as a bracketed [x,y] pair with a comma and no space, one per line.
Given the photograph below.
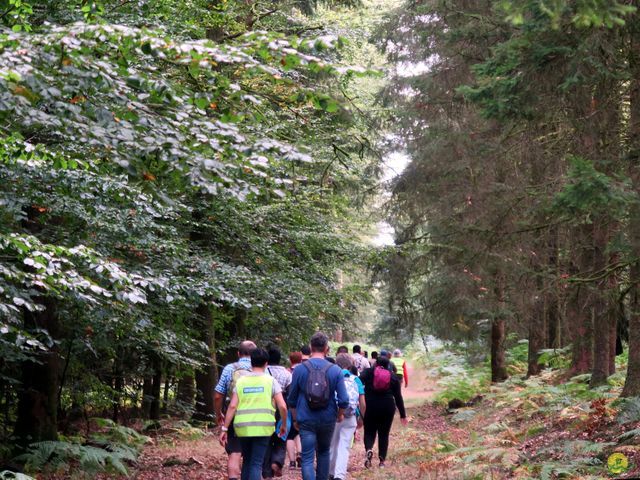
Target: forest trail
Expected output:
[177,456]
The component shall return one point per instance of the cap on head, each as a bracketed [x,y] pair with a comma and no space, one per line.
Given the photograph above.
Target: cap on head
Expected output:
[397,352]
[384,353]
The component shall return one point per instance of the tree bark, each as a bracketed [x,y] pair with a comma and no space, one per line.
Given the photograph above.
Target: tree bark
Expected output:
[165,393]
[498,337]
[499,334]
[118,387]
[156,386]
[632,382]
[537,337]
[581,323]
[206,377]
[186,393]
[147,389]
[613,332]
[38,393]
[601,309]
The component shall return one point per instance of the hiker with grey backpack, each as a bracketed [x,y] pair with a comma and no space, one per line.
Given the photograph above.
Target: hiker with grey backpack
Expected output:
[317,401]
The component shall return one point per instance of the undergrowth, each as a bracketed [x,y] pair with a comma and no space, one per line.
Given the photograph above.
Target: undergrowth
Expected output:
[110,449]
[543,427]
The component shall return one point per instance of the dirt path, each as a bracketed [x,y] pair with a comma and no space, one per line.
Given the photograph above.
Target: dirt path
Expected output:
[205,458]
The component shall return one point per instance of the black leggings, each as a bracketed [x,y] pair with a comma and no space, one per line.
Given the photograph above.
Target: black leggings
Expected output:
[378,421]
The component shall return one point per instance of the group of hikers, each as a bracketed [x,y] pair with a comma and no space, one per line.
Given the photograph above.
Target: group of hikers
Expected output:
[309,411]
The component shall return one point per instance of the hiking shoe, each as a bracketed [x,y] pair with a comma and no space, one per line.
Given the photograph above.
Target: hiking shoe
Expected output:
[292,464]
[382,465]
[299,461]
[367,462]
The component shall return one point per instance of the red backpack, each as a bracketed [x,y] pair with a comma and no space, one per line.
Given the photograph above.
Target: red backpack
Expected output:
[381,379]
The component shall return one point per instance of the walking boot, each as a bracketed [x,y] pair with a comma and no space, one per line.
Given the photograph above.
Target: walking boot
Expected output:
[367,462]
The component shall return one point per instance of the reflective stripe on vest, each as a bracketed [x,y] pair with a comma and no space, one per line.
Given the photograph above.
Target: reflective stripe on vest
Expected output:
[255,416]
[398,362]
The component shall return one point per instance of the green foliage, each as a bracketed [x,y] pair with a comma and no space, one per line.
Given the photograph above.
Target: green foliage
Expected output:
[111,434]
[556,358]
[590,192]
[583,13]
[16,13]
[517,357]
[109,450]
[457,378]
[51,455]
[628,435]
[170,173]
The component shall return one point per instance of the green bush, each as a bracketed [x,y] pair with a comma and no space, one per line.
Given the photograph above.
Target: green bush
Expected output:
[108,450]
[556,358]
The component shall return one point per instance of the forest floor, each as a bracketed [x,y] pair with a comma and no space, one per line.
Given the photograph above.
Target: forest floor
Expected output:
[183,454]
[523,429]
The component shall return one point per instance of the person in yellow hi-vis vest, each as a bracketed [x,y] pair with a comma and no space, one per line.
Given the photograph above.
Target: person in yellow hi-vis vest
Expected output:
[401,367]
[253,414]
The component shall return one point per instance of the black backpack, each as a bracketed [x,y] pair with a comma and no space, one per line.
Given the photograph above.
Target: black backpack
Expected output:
[318,390]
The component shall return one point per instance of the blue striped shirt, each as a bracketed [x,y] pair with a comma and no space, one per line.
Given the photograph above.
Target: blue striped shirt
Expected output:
[224,384]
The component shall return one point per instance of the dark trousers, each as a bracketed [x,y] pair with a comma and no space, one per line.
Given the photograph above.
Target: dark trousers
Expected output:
[378,421]
[276,453]
[316,440]
[253,451]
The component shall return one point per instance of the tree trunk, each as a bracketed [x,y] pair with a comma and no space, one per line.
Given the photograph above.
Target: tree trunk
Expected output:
[118,387]
[498,363]
[499,333]
[207,376]
[165,395]
[601,308]
[147,392]
[186,393]
[600,369]
[581,324]
[632,382]
[537,337]
[156,386]
[186,390]
[613,333]
[38,393]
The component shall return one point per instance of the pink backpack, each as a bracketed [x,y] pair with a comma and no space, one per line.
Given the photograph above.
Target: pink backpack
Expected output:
[381,379]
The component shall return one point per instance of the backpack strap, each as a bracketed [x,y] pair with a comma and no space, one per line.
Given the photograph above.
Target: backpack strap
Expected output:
[325,369]
[307,365]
